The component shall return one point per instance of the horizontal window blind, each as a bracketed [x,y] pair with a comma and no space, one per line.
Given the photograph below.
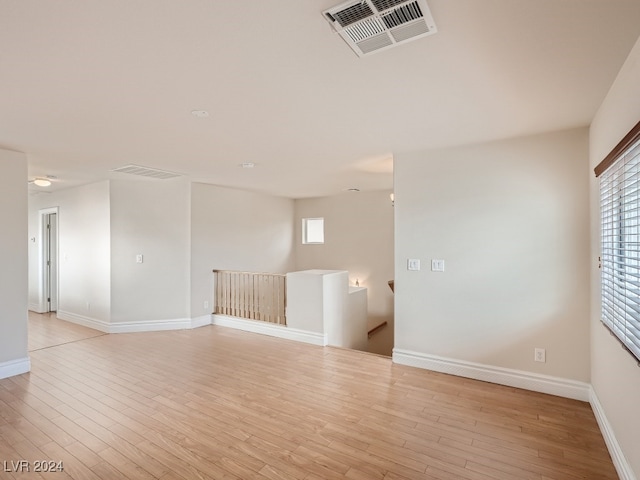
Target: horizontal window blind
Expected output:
[620,209]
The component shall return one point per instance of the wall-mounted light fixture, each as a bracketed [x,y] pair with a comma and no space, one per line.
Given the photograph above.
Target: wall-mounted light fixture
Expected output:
[393,198]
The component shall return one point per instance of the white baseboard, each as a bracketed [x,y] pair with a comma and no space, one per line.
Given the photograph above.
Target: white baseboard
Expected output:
[270,329]
[36,307]
[201,321]
[89,322]
[137,326]
[150,325]
[503,376]
[619,460]
[15,367]
[528,381]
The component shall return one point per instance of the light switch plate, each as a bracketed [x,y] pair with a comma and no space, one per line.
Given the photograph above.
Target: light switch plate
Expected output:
[437,265]
[139,258]
[413,264]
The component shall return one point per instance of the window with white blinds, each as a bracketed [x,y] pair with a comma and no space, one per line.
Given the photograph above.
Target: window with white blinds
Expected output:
[620,259]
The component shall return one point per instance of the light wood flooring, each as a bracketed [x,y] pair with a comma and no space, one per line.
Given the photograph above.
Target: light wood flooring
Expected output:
[217,403]
[45,330]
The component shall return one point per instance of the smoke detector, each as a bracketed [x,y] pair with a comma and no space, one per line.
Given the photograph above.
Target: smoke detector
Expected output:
[369,26]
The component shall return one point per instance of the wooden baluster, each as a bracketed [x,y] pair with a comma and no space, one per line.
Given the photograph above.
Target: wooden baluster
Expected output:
[245,292]
[281,320]
[274,281]
[284,298]
[218,292]
[263,298]
[221,280]
[264,295]
[258,298]
[215,291]
[227,293]
[252,297]
[218,295]
[241,294]
[274,295]
[276,299]
[236,291]
[227,283]
[233,291]
[271,298]
[282,294]
[238,294]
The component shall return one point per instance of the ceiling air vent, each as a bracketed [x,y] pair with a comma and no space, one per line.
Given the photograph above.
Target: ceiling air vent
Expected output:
[146,172]
[369,26]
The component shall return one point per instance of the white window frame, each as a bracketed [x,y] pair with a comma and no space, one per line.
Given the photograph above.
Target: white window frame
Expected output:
[619,177]
[313,231]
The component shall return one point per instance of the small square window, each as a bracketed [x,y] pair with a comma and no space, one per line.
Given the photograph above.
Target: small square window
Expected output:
[312,230]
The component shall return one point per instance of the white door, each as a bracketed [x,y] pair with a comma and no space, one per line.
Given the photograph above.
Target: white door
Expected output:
[51,261]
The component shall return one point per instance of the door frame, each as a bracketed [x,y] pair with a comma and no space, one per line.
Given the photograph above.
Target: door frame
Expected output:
[43,276]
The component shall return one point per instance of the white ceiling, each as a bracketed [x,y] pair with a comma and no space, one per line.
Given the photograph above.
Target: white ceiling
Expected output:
[91,85]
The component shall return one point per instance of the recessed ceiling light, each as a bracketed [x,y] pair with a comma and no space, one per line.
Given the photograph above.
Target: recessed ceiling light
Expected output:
[200,113]
[353,189]
[247,165]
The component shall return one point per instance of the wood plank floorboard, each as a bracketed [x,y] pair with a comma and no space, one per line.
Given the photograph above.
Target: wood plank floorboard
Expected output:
[217,403]
[46,330]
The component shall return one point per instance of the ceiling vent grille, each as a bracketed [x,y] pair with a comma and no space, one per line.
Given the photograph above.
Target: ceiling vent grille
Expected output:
[369,26]
[146,172]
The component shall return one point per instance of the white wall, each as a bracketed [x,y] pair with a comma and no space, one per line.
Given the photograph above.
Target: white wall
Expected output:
[615,375]
[13,258]
[236,230]
[84,261]
[359,239]
[511,220]
[150,217]
[34,294]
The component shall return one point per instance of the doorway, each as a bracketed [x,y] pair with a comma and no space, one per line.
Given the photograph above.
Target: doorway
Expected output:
[49,264]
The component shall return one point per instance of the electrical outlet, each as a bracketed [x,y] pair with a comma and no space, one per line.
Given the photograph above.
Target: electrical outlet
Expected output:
[540,355]
[206,305]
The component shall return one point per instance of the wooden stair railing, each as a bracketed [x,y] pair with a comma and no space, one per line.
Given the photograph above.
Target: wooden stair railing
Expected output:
[380,326]
[255,296]
[376,329]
